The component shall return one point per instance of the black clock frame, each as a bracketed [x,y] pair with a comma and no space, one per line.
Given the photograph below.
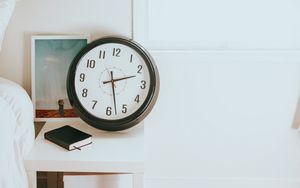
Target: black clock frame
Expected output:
[138,115]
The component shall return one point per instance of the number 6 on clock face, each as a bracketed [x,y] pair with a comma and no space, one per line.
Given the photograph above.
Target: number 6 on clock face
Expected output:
[113,83]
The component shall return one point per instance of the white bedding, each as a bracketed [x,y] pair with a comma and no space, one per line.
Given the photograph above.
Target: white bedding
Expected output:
[16,120]
[17,133]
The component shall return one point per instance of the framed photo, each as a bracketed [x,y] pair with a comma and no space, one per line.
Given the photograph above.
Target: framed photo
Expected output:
[51,56]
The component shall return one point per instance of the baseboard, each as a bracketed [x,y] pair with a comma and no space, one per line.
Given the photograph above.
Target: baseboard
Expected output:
[221,183]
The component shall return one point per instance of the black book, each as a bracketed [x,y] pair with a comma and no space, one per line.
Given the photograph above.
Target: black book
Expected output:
[68,137]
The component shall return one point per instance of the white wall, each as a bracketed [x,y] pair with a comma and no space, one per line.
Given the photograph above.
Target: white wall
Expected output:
[224,120]
[95,17]
[218,25]
[229,86]
[229,82]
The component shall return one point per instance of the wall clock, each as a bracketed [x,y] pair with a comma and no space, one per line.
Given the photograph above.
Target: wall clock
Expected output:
[113,83]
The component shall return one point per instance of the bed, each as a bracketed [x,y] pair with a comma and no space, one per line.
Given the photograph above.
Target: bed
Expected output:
[17,133]
[16,117]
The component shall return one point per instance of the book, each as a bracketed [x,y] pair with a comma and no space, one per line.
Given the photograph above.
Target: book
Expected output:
[68,137]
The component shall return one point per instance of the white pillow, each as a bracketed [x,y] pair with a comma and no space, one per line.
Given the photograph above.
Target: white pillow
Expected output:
[6,9]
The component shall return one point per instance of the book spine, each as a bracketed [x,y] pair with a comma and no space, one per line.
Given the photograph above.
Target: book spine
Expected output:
[58,142]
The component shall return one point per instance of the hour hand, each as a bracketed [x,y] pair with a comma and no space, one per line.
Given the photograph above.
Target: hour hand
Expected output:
[118,79]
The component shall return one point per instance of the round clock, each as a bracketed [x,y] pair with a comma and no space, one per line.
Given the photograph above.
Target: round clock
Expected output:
[113,83]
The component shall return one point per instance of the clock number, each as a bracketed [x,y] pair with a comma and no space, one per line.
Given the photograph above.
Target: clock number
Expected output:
[102,54]
[131,56]
[137,99]
[108,111]
[116,52]
[82,77]
[91,64]
[124,108]
[140,69]
[95,102]
[84,92]
[143,86]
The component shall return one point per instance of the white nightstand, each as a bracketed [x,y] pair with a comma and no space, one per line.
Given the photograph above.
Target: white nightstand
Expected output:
[111,152]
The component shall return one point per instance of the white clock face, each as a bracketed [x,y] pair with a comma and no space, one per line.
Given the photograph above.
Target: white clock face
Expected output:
[112,81]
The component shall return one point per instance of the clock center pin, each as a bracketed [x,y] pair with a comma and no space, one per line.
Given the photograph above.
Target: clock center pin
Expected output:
[105,81]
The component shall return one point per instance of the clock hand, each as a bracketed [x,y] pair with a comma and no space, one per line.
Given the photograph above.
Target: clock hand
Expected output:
[118,79]
[113,90]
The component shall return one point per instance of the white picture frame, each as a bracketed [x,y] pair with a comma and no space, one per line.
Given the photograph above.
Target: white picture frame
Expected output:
[51,56]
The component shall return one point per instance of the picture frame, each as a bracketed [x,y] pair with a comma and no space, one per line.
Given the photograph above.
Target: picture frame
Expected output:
[51,56]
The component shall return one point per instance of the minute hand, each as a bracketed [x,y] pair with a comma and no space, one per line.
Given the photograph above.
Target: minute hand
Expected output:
[118,79]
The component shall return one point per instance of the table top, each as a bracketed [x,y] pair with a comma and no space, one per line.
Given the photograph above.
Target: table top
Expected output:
[120,152]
